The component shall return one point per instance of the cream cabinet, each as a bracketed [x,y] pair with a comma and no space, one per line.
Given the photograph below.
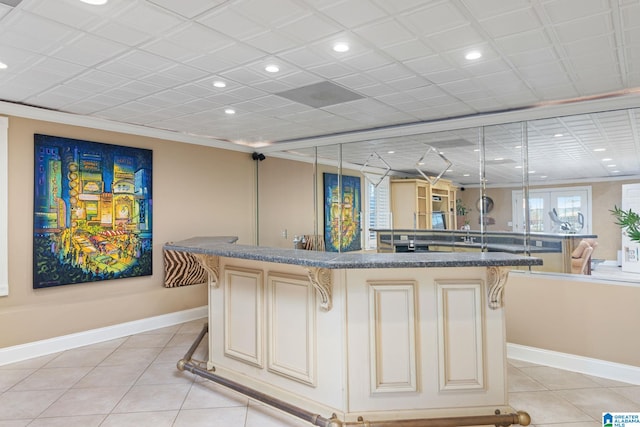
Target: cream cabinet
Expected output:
[413,202]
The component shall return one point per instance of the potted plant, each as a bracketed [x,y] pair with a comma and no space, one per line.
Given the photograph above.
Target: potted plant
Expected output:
[629,221]
[461,215]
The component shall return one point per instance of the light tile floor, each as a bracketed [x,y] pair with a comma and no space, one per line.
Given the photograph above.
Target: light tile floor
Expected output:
[133,381]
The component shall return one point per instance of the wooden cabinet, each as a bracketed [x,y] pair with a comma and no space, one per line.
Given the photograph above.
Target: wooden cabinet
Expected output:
[413,201]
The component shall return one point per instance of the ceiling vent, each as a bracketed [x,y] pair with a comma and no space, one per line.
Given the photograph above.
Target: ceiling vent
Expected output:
[320,95]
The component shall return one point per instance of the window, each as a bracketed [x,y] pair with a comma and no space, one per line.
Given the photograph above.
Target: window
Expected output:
[554,210]
[377,208]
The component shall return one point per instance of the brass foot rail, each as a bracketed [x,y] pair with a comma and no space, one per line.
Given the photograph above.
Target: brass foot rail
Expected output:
[497,419]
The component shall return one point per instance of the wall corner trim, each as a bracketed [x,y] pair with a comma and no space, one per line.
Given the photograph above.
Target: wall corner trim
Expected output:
[571,362]
[66,342]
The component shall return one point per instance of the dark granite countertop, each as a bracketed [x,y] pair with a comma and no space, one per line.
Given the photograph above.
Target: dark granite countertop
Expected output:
[349,260]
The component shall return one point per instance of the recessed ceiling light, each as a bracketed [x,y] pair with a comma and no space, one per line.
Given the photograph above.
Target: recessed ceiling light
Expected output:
[466,174]
[95,2]
[532,171]
[230,111]
[341,47]
[497,159]
[615,171]
[390,152]
[3,66]
[219,83]
[474,54]
[272,68]
[518,167]
[599,149]
[557,135]
[607,160]
[611,166]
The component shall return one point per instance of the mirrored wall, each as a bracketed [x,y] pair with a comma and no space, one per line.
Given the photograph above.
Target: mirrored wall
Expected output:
[541,187]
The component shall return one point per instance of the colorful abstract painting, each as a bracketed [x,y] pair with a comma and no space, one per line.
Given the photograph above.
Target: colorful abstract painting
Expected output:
[342,209]
[92,211]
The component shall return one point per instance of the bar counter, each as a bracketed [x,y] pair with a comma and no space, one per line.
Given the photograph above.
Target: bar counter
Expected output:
[339,339]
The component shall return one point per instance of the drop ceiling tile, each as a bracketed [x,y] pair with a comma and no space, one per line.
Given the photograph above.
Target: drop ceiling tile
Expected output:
[73,14]
[354,13]
[148,18]
[568,10]
[428,64]
[161,79]
[232,23]
[375,90]
[367,61]
[199,38]
[50,35]
[398,6]
[451,75]
[210,63]
[238,54]
[483,9]
[591,26]
[390,72]
[523,42]
[385,32]
[310,28]
[243,75]
[272,13]
[332,70]
[464,36]
[188,9]
[271,42]
[305,57]
[89,50]
[168,49]
[433,18]
[533,57]
[120,33]
[408,50]
[512,23]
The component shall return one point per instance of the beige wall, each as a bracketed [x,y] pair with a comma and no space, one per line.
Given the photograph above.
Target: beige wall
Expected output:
[196,191]
[605,195]
[588,319]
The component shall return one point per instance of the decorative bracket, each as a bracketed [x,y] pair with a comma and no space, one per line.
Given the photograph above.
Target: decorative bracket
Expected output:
[496,278]
[211,263]
[320,279]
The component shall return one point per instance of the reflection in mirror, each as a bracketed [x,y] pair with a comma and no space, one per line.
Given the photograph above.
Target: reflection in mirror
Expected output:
[548,179]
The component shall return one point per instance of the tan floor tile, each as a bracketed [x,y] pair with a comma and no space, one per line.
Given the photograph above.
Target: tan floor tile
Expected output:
[111,376]
[166,330]
[112,344]
[218,417]
[52,378]
[147,340]
[81,421]
[557,379]
[210,395]
[598,400]
[631,393]
[142,419]
[157,397]
[183,340]
[26,404]
[79,357]
[14,423]
[11,377]
[86,401]
[192,327]
[546,407]
[164,373]
[35,363]
[518,381]
[171,354]
[265,416]
[131,356]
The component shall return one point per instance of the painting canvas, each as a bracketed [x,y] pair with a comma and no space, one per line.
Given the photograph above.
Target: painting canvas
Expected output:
[342,208]
[92,211]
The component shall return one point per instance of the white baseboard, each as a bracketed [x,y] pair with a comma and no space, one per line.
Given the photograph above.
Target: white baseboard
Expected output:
[570,362]
[66,342]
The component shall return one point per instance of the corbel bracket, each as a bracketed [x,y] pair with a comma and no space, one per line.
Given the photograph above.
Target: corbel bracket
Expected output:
[496,278]
[211,263]
[320,279]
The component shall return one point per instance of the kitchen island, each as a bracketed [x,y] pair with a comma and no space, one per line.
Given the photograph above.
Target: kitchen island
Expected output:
[352,337]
